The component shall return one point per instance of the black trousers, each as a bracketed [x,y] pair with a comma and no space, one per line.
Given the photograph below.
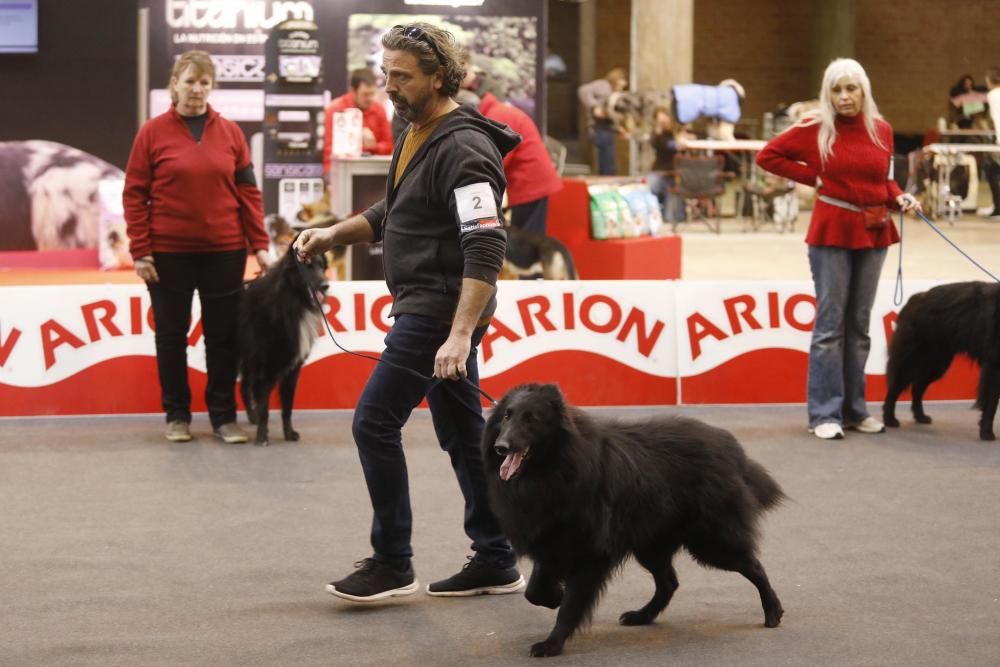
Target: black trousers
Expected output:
[530,216]
[218,277]
[992,168]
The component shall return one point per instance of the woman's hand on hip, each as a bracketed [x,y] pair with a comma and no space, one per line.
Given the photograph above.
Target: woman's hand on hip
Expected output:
[908,202]
[145,268]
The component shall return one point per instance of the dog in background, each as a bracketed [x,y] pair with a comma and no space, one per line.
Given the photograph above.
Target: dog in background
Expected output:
[579,494]
[934,326]
[280,318]
[530,254]
[49,195]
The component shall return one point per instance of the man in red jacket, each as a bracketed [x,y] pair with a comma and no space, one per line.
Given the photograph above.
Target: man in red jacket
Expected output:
[376,135]
[531,176]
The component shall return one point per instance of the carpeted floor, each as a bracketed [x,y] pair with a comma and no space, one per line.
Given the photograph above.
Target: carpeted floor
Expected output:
[118,548]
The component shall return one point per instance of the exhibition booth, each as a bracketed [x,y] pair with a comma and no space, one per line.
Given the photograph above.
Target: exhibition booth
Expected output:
[78,340]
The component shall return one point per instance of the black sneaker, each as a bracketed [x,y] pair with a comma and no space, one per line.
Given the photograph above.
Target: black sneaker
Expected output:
[374,580]
[478,578]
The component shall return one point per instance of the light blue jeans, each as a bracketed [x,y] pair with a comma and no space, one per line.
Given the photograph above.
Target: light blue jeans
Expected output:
[845,282]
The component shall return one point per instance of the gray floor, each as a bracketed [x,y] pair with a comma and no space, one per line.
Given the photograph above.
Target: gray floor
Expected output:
[118,548]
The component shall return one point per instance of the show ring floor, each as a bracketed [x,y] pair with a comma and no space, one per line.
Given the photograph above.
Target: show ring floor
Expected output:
[119,548]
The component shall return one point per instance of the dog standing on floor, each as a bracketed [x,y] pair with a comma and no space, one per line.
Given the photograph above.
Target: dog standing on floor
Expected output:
[934,326]
[279,321]
[530,254]
[579,494]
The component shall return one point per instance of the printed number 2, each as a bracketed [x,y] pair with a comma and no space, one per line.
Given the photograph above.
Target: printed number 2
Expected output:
[478,201]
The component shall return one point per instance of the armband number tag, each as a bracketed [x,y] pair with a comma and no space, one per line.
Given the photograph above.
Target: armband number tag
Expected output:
[476,207]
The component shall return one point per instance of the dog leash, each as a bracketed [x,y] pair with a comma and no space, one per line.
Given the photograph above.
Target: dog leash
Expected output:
[898,292]
[433,380]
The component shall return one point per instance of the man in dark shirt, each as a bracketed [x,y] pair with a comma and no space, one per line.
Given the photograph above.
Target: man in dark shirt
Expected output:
[443,244]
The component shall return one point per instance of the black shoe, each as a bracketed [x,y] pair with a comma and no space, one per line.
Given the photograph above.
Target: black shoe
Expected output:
[374,580]
[478,578]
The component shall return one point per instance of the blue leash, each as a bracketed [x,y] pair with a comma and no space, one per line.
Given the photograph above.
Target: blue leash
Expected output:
[898,293]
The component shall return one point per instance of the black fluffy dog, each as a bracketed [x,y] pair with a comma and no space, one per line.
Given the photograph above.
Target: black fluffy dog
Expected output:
[279,321]
[579,494]
[932,328]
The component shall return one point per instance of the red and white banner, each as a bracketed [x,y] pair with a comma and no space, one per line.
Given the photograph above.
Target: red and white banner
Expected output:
[89,349]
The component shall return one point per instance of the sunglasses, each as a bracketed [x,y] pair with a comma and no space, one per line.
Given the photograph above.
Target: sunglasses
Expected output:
[413,32]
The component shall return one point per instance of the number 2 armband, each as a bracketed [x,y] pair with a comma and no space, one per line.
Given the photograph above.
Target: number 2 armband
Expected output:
[477,209]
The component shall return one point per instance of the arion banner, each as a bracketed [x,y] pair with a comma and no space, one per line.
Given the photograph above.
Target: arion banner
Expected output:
[89,349]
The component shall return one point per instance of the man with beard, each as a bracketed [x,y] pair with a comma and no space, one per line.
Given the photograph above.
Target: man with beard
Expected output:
[443,245]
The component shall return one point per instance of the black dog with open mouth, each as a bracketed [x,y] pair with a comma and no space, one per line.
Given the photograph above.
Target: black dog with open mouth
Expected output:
[579,494]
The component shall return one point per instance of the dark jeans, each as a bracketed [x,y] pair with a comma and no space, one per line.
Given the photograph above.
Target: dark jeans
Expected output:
[384,406]
[992,169]
[218,277]
[530,216]
[603,138]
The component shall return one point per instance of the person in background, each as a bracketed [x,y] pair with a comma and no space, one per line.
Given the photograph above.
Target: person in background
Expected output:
[967,103]
[191,208]
[603,131]
[844,149]
[376,134]
[663,141]
[531,176]
[993,159]
[443,243]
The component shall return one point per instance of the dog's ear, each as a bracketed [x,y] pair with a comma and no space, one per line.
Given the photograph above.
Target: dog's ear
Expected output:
[557,407]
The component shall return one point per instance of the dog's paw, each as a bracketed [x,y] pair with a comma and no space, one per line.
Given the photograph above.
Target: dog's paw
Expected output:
[988,436]
[923,419]
[291,435]
[261,443]
[773,618]
[890,421]
[551,598]
[546,649]
[635,618]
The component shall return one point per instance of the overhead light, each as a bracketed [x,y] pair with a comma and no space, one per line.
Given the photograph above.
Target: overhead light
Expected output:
[450,3]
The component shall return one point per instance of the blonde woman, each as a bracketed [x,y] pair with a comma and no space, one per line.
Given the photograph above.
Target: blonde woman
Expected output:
[844,148]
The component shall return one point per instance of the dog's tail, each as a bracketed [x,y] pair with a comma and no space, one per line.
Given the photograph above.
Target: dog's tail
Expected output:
[559,262]
[767,491]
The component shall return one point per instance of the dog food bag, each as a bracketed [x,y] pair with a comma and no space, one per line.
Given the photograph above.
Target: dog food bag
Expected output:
[607,223]
[635,197]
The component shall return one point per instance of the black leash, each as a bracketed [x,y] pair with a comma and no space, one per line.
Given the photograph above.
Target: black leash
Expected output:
[433,380]
[898,294]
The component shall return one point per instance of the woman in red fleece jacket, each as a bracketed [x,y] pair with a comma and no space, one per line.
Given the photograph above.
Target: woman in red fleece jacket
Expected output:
[844,149]
[191,208]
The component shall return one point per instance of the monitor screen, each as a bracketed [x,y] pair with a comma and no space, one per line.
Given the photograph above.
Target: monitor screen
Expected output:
[18,26]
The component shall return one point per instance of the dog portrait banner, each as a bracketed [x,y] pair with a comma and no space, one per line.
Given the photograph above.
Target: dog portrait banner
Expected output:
[89,349]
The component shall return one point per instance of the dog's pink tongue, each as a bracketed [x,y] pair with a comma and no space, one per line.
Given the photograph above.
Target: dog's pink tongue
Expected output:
[510,465]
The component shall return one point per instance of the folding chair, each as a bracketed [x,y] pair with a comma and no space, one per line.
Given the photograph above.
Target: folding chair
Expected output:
[699,181]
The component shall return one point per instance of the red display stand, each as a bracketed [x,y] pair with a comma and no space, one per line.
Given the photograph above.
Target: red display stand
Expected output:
[641,258]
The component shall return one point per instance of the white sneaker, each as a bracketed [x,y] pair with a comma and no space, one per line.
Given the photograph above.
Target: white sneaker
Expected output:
[828,431]
[868,425]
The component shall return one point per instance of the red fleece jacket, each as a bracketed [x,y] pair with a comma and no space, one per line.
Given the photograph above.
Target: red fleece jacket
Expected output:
[857,172]
[182,196]
[374,118]
[529,170]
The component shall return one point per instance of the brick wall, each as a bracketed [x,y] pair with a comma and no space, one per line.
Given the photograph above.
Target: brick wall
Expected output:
[913,51]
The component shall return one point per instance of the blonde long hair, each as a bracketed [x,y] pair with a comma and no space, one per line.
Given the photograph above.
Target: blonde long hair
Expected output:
[825,114]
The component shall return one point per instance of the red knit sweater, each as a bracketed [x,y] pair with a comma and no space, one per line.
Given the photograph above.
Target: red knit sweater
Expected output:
[181,195]
[856,172]
[529,170]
